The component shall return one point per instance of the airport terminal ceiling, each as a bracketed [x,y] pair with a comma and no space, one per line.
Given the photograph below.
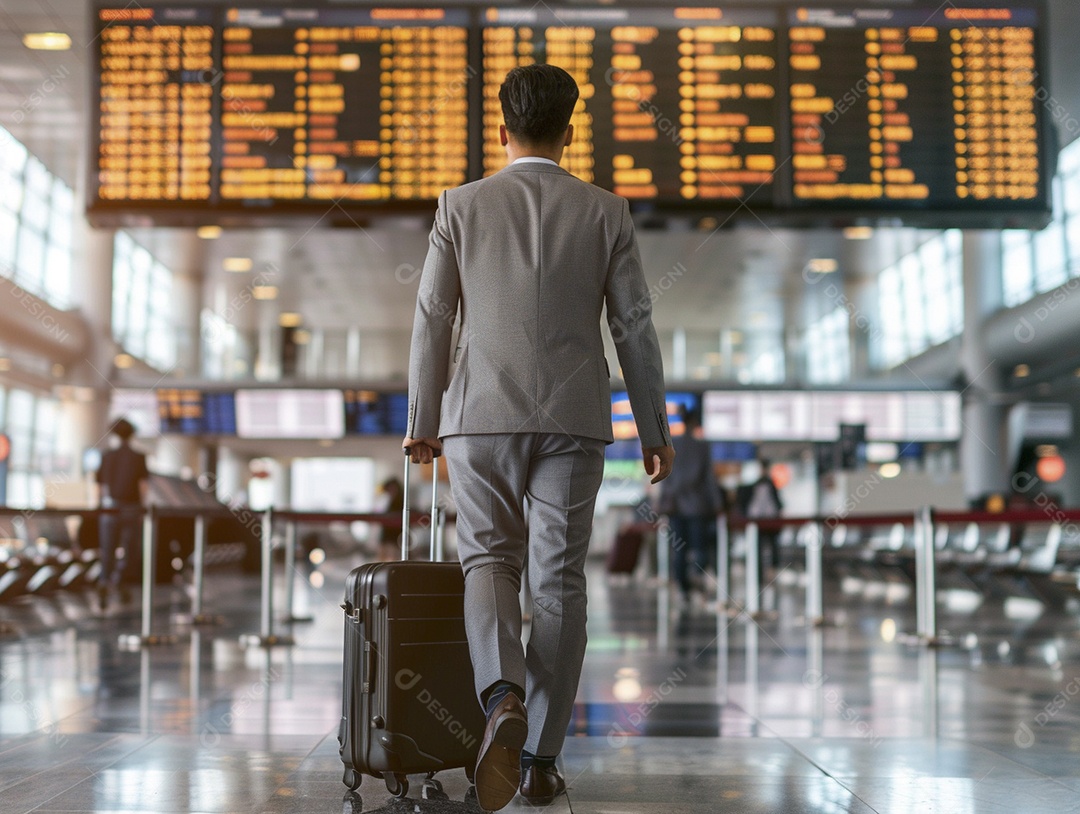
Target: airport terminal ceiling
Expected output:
[749,276]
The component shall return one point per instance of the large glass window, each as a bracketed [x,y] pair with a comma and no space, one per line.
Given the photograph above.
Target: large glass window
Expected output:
[1035,262]
[828,349]
[920,300]
[36,222]
[32,424]
[142,291]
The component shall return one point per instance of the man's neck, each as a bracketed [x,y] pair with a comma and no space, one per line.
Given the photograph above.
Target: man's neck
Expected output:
[516,151]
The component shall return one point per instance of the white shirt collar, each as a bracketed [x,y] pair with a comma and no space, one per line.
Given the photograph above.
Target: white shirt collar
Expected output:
[534,158]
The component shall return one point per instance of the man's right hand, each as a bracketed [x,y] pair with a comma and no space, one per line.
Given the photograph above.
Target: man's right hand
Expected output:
[658,462]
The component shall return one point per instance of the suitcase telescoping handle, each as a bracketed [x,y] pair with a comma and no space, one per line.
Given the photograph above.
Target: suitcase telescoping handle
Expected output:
[434,507]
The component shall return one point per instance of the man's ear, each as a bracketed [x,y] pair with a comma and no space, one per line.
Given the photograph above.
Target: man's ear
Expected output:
[569,135]
[502,135]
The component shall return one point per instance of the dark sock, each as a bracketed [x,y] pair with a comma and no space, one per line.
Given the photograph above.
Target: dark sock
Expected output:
[528,760]
[498,691]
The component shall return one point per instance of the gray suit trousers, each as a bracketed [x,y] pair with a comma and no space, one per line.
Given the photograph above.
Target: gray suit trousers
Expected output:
[499,482]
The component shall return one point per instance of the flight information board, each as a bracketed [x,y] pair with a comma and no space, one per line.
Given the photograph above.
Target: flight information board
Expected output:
[677,104]
[234,108]
[209,112]
[934,107]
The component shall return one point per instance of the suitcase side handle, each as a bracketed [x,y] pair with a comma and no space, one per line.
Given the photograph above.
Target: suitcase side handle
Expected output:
[434,508]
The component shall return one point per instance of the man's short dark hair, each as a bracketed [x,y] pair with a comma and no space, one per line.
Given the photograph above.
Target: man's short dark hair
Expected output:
[123,429]
[537,101]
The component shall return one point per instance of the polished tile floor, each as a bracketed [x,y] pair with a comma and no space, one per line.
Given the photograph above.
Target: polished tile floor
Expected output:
[680,709]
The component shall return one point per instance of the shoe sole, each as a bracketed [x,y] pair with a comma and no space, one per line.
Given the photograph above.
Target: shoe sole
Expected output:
[498,771]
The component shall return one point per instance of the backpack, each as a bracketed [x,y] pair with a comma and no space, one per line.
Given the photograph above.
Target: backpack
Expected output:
[762,501]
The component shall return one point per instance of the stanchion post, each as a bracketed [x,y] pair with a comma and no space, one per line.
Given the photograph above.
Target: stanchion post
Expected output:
[266,604]
[663,552]
[927,629]
[200,567]
[146,636]
[815,613]
[149,556]
[723,562]
[265,637]
[753,571]
[290,574]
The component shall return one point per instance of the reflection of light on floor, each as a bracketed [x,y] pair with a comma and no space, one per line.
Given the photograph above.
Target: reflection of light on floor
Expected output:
[316,579]
[1023,609]
[888,630]
[627,686]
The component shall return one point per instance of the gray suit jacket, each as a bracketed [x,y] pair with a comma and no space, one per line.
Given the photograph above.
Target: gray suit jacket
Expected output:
[532,254]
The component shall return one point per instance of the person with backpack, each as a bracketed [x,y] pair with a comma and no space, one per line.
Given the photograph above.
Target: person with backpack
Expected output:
[761,501]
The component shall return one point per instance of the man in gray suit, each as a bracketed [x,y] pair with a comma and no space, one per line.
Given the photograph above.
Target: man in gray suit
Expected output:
[530,255]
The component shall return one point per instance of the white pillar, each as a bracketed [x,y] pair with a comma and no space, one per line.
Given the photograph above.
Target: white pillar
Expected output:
[187,302]
[92,289]
[982,446]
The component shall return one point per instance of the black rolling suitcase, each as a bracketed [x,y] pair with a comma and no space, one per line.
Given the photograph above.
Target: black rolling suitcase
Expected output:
[409,704]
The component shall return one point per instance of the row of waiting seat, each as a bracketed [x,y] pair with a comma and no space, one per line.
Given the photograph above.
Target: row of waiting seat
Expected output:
[1017,555]
[41,552]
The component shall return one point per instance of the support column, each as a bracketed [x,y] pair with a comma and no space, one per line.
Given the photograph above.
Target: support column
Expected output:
[232,475]
[983,461]
[268,355]
[92,289]
[187,302]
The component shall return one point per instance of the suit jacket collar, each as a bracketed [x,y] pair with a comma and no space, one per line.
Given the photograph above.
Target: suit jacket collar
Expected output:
[534,166]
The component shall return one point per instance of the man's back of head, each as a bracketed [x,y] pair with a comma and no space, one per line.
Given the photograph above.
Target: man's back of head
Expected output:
[537,102]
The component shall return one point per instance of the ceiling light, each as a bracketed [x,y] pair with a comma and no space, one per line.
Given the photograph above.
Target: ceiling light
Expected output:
[289,319]
[859,232]
[264,292]
[1021,371]
[123,361]
[58,370]
[5,363]
[47,41]
[823,265]
[237,264]
[209,232]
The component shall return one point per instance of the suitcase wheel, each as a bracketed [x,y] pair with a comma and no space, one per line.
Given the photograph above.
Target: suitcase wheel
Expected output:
[397,784]
[352,779]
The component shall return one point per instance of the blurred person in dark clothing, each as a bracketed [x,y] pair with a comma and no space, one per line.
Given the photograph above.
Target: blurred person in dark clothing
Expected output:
[762,502]
[124,485]
[691,499]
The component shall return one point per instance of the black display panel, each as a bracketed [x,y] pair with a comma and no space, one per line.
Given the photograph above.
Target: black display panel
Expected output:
[931,107]
[260,114]
[368,412]
[276,109]
[677,104]
[186,411]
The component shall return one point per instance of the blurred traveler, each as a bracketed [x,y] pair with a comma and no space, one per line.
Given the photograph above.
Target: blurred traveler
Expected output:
[390,500]
[690,499]
[532,255]
[124,483]
[762,502]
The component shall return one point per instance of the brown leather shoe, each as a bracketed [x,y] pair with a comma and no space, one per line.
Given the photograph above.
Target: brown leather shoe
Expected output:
[498,766]
[540,787]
